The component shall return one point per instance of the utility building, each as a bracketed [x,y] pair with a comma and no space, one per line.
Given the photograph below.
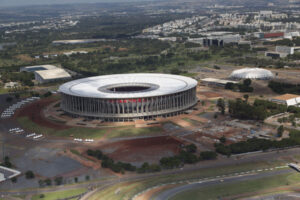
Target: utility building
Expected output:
[287,99]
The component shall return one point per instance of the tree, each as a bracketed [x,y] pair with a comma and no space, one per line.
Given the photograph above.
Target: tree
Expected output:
[229,86]
[76,179]
[9,99]
[246,97]
[48,182]
[208,155]
[247,82]
[7,162]
[223,139]
[58,180]
[29,175]
[191,148]
[221,105]
[14,179]
[280,130]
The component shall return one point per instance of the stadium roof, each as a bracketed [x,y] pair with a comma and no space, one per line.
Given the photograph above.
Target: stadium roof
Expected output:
[98,87]
[50,74]
[252,73]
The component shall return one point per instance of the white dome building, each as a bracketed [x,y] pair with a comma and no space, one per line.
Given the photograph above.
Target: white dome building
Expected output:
[252,73]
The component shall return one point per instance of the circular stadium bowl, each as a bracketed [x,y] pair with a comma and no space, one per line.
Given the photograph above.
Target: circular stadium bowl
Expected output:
[123,97]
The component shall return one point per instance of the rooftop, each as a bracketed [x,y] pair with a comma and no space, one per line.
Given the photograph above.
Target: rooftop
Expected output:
[53,74]
[128,85]
[286,97]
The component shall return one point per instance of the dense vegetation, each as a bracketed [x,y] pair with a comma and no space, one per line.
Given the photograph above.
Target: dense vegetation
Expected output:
[244,87]
[256,144]
[282,88]
[186,156]
[259,110]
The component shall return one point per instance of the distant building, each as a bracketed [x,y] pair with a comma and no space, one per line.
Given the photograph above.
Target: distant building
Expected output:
[273,35]
[216,82]
[45,76]
[69,53]
[46,73]
[275,55]
[285,49]
[287,99]
[11,85]
[280,52]
[252,73]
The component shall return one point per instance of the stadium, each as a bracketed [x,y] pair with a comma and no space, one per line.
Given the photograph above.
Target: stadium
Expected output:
[124,97]
[252,73]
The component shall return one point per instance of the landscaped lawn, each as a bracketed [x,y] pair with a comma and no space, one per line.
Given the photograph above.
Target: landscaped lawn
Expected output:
[94,133]
[126,132]
[59,194]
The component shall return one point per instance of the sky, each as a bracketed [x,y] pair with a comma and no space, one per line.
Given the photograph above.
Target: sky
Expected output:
[4,3]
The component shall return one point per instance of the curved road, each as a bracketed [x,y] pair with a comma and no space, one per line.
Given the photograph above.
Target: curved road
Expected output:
[204,183]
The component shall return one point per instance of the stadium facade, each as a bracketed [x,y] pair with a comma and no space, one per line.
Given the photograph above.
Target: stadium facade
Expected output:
[124,97]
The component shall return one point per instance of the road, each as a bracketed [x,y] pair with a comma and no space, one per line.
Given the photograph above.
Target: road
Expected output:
[221,180]
[246,159]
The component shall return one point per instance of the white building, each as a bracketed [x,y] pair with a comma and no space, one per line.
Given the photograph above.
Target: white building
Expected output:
[45,76]
[285,49]
[216,82]
[287,99]
[252,73]
[11,85]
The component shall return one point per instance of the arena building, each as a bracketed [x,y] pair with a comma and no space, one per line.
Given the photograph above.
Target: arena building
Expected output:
[252,73]
[124,97]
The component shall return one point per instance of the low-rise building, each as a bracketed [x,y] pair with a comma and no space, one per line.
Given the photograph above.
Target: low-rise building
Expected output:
[11,85]
[45,76]
[287,99]
[216,82]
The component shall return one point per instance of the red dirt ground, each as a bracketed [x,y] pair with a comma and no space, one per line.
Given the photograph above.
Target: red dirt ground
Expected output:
[34,112]
[142,150]
[211,94]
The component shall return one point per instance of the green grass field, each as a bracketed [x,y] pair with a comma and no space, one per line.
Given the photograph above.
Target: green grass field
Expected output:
[227,190]
[128,190]
[193,122]
[80,132]
[125,132]
[59,194]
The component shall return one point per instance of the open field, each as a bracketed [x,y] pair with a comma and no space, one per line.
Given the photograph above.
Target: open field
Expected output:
[59,194]
[228,190]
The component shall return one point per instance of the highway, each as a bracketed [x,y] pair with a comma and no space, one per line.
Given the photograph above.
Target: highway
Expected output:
[98,185]
[220,180]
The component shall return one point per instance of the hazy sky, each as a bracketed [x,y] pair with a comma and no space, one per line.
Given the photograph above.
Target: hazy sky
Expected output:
[45,2]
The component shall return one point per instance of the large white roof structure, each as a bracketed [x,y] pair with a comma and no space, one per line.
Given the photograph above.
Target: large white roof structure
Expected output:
[152,84]
[57,73]
[252,73]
